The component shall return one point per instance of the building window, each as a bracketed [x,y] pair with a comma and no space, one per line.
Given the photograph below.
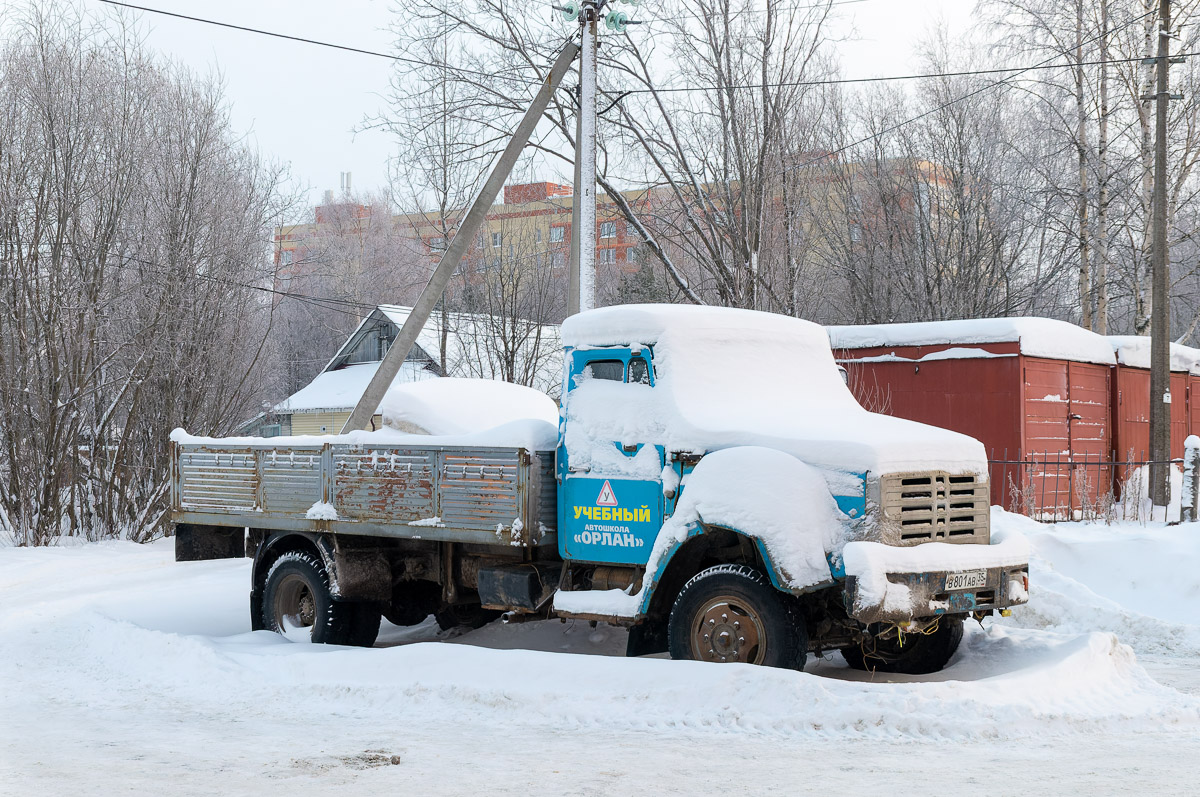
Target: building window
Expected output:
[608,229]
[285,257]
[437,244]
[557,234]
[537,236]
[608,256]
[497,239]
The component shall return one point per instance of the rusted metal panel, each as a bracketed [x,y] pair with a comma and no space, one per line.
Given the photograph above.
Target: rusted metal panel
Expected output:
[479,489]
[291,479]
[478,495]
[217,478]
[388,484]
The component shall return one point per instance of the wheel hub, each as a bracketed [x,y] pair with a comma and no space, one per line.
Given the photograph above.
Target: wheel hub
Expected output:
[295,604]
[726,630]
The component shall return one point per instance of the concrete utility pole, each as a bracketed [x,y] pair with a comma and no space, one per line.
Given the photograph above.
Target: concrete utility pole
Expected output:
[396,355]
[585,156]
[573,271]
[1160,314]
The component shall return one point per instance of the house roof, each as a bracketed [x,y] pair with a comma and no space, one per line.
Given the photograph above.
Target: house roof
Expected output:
[474,343]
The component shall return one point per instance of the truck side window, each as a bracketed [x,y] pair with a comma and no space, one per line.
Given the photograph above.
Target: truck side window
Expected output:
[639,371]
[613,370]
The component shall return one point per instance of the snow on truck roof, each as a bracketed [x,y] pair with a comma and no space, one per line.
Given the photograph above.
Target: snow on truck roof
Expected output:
[645,323]
[728,377]
[1134,351]
[1038,337]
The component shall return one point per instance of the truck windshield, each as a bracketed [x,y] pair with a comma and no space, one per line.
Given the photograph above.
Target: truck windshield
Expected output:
[613,370]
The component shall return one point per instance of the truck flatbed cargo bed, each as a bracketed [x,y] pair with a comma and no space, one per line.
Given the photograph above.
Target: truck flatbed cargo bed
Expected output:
[461,494]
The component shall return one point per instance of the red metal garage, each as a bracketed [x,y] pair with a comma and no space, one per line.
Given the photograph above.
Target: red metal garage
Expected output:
[1131,397]
[1033,390]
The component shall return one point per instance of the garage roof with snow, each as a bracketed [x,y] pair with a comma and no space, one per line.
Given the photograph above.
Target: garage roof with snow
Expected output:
[1038,337]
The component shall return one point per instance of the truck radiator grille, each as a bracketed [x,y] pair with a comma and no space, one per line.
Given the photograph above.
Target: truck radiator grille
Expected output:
[935,506]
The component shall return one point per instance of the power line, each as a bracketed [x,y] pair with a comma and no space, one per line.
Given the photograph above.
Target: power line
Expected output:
[959,99]
[303,40]
[890,78]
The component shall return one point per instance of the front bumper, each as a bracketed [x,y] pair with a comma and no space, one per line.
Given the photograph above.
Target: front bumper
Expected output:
[911,596]
[885,583]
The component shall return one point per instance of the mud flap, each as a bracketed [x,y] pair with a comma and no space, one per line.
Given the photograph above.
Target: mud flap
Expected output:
[199,543]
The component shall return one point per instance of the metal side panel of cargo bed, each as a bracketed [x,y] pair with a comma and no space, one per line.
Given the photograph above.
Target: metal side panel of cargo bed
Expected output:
[457,494]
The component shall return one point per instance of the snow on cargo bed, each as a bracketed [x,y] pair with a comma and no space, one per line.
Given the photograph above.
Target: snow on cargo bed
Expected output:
[1038,337]
[463,406]
[727,377]
[530,434]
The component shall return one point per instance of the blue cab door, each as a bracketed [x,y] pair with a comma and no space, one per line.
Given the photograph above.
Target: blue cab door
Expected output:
[609,520]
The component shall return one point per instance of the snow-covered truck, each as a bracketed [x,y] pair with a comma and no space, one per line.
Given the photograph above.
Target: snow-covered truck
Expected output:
[711,484]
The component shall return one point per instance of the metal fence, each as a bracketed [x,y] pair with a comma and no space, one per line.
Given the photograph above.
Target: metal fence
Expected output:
[1062,486]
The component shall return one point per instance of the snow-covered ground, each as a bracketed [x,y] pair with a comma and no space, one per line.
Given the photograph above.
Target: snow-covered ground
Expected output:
[123,672]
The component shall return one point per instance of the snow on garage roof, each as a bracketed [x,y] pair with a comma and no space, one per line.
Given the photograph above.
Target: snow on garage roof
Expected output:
[340,390]
[1134,351]
[644,323]
[1038,337]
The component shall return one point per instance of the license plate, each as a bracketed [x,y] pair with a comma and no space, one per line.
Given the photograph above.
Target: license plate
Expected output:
[967,579]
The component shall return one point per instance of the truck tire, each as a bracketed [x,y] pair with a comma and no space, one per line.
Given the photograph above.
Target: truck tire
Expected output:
[364,624]
[731,613]
[297,600]
[919,654]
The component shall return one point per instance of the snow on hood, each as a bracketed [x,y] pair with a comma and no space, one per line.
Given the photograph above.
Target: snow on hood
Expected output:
[463,406]
[729,378]
[1038,337]
[1134,351]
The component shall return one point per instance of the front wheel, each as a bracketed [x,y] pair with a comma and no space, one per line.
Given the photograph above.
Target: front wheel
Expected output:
[911,654]
[731,613]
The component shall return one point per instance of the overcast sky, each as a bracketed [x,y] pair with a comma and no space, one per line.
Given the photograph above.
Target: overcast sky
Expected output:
[299,103]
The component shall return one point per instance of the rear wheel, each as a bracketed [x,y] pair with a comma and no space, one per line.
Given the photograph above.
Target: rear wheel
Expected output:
[731,613]
[912,654]
[298,603]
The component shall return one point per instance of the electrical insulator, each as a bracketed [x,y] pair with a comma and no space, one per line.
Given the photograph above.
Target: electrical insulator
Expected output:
[616,21]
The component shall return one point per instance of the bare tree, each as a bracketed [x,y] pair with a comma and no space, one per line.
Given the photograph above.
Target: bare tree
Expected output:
[132,257]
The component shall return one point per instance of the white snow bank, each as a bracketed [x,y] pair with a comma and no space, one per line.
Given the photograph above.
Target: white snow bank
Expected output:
[533,435]
[1039,337]
[340,390]
[729,378]
[1140,581]
[121,648]
[1134,351]
[463,406]
[762,492]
